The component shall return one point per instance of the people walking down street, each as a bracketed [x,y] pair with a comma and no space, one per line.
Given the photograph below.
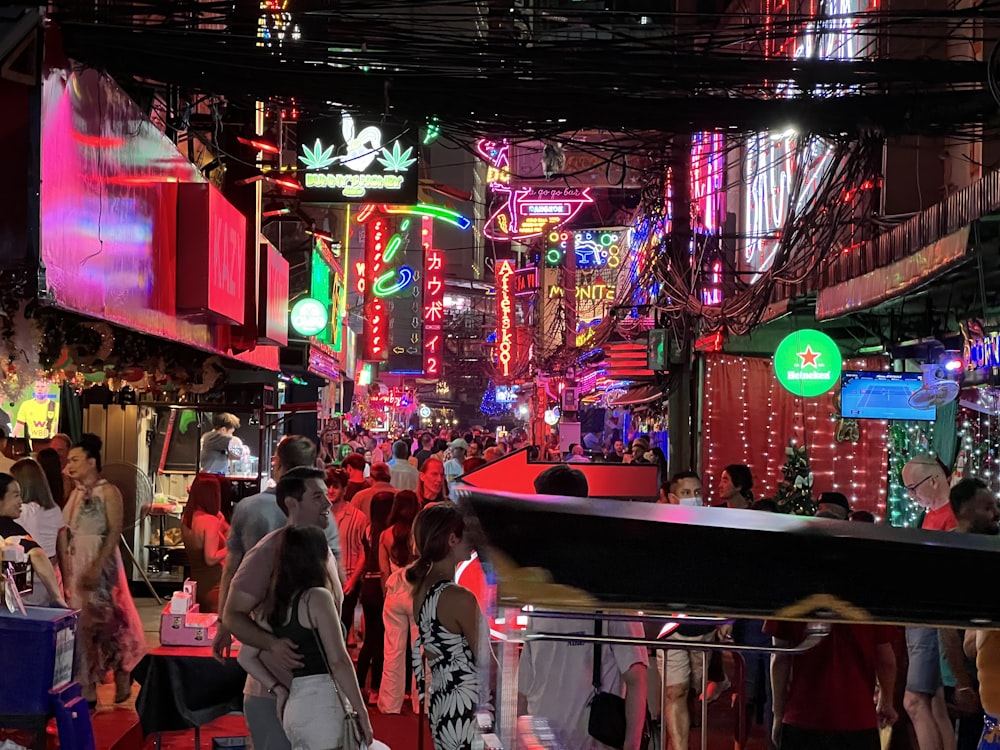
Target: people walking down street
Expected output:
[452,638]
[109,633]
[395,553]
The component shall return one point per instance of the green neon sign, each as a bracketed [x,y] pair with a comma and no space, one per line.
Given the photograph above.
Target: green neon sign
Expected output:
[309,316]
[393,281]
[807,363]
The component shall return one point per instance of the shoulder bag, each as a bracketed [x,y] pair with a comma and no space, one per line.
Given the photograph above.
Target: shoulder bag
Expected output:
[352,725]
[606,723]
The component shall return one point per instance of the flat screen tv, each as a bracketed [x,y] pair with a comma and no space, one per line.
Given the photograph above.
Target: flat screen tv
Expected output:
[881,395]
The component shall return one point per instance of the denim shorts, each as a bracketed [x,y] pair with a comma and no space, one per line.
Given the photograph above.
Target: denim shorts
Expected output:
[924,672]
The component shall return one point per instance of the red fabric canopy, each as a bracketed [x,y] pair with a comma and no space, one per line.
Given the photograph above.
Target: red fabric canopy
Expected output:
[749,419]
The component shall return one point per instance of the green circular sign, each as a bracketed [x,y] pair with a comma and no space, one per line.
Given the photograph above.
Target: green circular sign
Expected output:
[308,316]
[807,363]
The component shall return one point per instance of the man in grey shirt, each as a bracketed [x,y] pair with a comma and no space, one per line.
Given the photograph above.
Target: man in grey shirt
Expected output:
[254,518]
[219,445]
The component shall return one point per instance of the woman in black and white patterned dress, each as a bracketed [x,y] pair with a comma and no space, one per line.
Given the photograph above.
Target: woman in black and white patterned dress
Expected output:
[451,635]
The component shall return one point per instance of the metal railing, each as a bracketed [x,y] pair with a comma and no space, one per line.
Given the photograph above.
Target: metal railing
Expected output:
[815,633]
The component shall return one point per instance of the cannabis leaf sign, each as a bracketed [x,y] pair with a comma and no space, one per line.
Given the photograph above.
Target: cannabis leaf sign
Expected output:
[316,157]
[396,160]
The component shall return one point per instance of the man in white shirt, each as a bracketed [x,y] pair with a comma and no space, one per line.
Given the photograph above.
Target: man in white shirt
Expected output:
[404,474]
[555,678]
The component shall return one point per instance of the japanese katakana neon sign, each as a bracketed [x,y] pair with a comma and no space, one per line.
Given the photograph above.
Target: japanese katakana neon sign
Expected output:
[434,268]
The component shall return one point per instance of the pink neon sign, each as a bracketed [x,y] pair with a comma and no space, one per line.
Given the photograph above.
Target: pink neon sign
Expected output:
[530,211]
[433,303]
[505,317]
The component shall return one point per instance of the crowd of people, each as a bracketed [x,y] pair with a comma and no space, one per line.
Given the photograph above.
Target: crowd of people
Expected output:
[338,531]
[949,680]
[344,550]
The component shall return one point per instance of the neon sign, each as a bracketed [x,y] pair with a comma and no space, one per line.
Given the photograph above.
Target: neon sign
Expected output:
[369,162]
[392,400]
[376,323]
[359,270]
[497,155]
[309,316]
[421,209]
[505,318]
[433,306]
[777,161]
[598,291]
[530,211]
[393,281]
[708,167]
[404,298]
[594,248]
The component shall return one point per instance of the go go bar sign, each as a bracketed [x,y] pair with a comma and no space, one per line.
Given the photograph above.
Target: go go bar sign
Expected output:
[807,363]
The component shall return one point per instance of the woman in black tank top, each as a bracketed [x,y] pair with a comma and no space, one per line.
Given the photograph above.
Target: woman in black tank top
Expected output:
[303,610]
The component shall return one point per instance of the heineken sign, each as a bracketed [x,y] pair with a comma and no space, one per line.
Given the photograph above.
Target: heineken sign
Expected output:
[807,363]
[347,161]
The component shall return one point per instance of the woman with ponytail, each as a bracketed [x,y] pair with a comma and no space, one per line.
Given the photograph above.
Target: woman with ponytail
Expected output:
[451,630]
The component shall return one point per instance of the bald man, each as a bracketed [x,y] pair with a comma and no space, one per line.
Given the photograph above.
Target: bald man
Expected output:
[927,483]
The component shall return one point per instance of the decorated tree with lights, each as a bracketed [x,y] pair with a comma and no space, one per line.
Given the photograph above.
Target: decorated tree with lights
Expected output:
[794,492]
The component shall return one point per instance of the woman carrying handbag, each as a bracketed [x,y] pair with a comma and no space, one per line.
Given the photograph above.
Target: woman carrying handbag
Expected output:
[323,708]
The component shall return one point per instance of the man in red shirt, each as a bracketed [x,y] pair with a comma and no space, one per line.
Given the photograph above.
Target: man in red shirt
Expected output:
[927,482]
[926,479]
[824,698]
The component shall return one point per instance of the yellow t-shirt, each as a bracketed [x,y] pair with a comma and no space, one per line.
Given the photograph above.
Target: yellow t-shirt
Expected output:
[41,424]
[988,667]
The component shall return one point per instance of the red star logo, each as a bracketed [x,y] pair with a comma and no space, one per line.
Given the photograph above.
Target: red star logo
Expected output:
[808,357]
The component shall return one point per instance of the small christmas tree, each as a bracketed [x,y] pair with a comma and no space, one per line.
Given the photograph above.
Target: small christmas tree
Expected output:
[794,492]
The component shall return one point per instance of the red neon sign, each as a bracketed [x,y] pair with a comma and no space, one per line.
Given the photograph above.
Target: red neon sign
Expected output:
[433,303]
[505,318]
[359,270]
[376,319]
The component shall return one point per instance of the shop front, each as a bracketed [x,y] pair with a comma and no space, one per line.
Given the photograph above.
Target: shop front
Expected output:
[141,329]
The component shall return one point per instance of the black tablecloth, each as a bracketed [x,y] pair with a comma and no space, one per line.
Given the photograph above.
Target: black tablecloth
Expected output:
[185,687]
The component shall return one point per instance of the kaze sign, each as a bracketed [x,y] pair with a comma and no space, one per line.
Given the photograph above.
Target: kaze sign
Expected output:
[348,161]
[807,363]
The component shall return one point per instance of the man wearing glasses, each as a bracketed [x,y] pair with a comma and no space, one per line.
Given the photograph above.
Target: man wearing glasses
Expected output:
[926,481]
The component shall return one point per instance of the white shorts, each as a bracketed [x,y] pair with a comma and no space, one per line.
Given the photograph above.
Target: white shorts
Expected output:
[685,667]
[314,715]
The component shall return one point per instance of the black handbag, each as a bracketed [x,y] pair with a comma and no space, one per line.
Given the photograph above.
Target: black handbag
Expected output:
[606,723]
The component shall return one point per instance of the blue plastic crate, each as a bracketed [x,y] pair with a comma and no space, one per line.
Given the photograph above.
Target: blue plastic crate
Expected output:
[36,655]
